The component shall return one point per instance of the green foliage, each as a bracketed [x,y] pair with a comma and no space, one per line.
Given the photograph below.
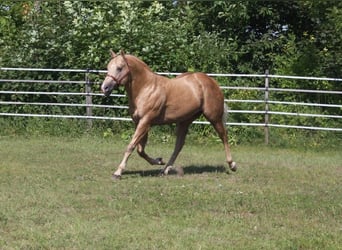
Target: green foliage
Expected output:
[211,36]
[292,38]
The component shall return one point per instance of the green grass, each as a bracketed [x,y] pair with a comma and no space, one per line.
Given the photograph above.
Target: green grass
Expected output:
[56,193]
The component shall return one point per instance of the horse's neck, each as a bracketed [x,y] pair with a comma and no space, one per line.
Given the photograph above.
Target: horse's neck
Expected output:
[138,83]
[142,77]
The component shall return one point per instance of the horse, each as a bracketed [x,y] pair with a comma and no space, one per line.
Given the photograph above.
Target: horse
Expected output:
[157,100]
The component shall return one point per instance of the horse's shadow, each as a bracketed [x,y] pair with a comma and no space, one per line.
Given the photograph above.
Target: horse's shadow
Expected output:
[188,170]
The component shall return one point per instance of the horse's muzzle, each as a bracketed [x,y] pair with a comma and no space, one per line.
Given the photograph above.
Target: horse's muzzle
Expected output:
[107,88]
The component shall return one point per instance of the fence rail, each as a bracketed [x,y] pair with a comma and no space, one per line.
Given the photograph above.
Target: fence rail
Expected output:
[84,80]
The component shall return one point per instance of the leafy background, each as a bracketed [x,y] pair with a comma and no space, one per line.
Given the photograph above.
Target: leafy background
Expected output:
[285,37]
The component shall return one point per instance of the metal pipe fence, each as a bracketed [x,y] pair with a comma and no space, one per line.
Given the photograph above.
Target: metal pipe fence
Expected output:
[265,103]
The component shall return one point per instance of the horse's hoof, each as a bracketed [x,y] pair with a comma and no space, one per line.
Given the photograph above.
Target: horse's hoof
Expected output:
[164,171]
[116,177]
[233,166]
[160,161]
[167,170]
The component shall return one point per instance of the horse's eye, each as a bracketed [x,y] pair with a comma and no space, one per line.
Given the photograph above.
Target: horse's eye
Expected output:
[119,69]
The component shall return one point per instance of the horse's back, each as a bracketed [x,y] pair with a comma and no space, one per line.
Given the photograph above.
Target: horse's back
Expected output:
[184,74]
[208,84]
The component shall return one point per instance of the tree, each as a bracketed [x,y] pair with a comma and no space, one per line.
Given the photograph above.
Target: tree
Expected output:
[296,37]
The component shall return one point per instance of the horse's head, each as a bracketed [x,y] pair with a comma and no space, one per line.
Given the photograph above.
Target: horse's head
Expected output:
[117,74]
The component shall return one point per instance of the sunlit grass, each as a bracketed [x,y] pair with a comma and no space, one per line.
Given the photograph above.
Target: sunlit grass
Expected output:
[56,192]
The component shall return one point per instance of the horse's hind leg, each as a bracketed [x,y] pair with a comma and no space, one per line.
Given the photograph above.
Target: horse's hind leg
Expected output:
[142,153]
[221,130]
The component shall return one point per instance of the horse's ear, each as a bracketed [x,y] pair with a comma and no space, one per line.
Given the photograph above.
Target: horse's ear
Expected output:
[112,53]
[122,52]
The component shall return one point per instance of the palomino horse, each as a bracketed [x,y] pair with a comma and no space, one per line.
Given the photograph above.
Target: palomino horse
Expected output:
[157,100]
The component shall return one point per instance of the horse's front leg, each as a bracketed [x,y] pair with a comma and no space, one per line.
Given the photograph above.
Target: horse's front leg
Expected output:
[142,153]
[140,132]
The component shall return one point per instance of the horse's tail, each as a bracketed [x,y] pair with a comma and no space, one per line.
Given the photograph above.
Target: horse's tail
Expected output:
[225,114]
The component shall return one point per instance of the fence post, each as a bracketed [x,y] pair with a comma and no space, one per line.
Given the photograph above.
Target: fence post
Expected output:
[89,101]
[267,83]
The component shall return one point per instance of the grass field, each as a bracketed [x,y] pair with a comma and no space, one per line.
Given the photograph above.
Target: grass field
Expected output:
[56,193]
